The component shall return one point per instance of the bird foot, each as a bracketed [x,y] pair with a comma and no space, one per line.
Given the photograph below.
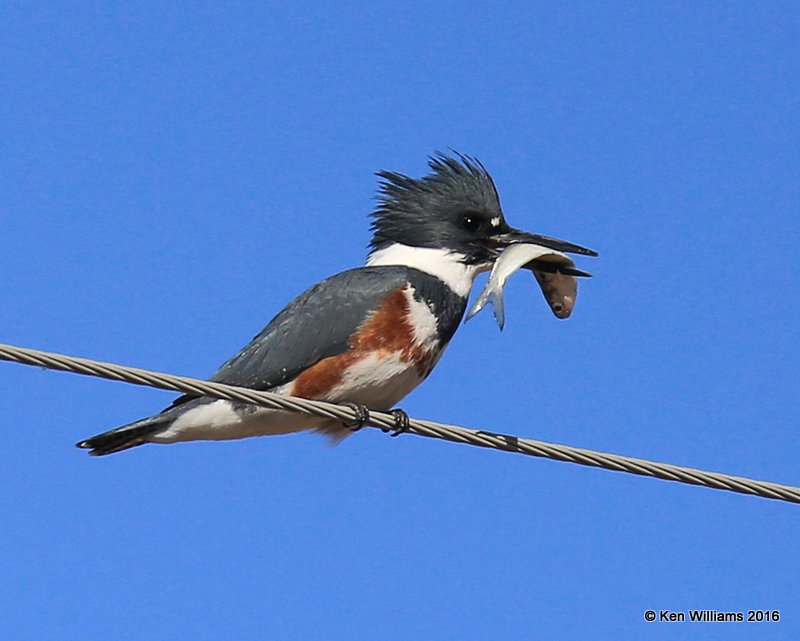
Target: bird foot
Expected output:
[359,420]
[400,423]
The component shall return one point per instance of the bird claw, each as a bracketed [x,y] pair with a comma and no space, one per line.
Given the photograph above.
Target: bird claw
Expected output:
[359,420]
[401,422]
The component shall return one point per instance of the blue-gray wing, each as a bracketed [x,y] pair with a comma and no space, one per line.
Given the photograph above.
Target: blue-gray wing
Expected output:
[315,325]
[320,322]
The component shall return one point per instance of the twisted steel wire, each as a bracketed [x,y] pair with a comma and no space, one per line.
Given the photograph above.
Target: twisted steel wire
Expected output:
[386,422]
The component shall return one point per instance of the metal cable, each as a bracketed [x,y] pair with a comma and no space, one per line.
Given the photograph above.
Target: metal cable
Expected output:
[386,422]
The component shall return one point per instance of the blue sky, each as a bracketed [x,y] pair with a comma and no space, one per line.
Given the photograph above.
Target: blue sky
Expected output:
[171,176]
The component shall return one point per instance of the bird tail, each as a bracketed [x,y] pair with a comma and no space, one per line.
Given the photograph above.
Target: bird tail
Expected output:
[123,438]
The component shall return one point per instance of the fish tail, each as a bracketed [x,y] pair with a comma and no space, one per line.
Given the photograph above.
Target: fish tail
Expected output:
[498,308]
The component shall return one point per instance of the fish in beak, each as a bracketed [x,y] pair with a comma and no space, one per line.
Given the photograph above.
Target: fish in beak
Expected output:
[546,257]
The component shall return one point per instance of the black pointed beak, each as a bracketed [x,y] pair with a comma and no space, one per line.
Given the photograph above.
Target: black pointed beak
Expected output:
[513,236]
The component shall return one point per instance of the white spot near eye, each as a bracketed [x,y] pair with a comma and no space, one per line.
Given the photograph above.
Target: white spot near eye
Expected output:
[495,222]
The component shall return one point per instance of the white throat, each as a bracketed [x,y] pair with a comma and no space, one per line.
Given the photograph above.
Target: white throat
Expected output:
[448,266]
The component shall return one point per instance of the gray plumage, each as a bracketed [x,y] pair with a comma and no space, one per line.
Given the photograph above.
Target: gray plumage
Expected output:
[416,211]
[301,335]
[306,331]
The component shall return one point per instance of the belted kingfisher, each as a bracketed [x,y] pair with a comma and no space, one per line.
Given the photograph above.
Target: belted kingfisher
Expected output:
[366,336]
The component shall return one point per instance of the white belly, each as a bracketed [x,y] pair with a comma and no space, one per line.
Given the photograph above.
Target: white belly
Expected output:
[376,383]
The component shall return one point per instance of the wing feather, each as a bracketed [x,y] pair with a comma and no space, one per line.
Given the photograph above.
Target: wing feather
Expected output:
[315,325]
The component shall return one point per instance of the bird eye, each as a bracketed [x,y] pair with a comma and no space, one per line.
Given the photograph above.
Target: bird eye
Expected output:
[471,222]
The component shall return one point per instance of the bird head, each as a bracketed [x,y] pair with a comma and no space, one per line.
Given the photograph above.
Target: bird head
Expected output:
[454,208]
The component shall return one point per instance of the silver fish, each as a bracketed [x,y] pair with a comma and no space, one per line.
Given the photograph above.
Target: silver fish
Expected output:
[554,271]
